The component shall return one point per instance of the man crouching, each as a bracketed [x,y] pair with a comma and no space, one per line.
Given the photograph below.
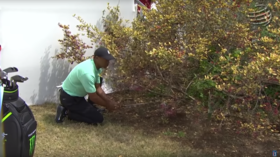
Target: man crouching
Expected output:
[84,80]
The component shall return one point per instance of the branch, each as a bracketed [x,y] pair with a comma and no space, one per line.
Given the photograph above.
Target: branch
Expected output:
[232,96]
[158,70]
[271,82]
[256,105]
[161,94]
[138,104]
[185,93]
[227,107]
[209,102]
[191,82]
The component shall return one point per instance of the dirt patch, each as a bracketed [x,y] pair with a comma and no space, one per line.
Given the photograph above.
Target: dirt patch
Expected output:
[196,132]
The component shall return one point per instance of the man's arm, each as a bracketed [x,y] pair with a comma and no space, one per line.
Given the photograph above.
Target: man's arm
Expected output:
[102,94]
[87,81]
[113,105]
[94,97]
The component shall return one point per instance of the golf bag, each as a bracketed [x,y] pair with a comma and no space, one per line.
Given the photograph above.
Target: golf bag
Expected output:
[17,121]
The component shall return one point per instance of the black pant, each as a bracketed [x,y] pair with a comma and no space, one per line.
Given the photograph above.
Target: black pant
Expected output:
[79,109]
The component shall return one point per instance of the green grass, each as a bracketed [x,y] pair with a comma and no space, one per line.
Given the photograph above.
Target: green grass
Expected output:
[71,139]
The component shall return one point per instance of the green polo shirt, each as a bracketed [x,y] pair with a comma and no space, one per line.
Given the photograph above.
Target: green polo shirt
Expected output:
[82,79]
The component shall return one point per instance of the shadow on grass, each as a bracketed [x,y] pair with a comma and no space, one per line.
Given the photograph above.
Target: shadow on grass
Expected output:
[196,134]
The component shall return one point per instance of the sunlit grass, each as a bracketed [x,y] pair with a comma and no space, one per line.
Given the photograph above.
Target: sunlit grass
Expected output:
[72,139]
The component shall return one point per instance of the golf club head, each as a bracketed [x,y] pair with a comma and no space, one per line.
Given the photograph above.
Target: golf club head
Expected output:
[2,74]
[11,69]
[18,78]
[6,82]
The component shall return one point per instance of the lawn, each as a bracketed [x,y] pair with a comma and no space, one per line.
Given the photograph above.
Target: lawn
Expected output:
[136,132]
[73,139]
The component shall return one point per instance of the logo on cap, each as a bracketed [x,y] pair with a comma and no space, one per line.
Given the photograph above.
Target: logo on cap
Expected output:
[108,52]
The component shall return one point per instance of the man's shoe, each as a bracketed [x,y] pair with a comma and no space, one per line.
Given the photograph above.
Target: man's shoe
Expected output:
[60,114]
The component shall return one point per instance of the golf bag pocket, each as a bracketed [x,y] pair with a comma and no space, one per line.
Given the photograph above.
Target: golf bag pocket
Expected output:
[11,135]
[29,126]
[10,94]
[23,126]
[29,139]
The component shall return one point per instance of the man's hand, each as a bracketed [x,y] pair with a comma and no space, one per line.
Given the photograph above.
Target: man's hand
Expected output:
[112,106]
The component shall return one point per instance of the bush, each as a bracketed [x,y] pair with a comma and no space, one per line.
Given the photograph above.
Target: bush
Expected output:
[205,51]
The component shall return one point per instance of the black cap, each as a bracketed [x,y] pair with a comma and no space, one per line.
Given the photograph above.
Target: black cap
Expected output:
[104,53]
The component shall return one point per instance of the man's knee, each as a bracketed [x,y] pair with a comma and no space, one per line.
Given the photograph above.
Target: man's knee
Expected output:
[94,115]
[93,119]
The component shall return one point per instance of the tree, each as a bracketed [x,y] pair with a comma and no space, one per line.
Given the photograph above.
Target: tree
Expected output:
[205,51]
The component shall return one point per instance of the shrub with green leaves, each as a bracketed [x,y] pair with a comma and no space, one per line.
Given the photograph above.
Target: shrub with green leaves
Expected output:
[200,50]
